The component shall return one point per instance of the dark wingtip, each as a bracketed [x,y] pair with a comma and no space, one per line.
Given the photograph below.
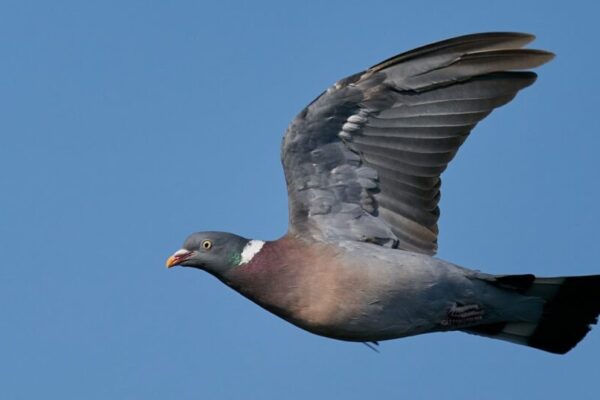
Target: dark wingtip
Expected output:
[473,41]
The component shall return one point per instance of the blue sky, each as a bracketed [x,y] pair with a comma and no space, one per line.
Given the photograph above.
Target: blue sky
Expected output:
[127,125]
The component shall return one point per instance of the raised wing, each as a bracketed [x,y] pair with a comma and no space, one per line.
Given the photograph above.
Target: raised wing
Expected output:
[363,160]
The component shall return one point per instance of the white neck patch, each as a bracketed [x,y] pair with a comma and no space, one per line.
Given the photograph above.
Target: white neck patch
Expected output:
[250,250]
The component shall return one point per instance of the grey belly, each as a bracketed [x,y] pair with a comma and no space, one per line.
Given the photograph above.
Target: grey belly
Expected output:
[379,299]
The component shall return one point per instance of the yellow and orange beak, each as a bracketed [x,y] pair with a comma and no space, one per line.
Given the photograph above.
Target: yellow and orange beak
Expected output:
[178,257]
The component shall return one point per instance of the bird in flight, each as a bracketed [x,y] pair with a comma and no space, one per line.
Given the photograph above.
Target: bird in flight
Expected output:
[362,164]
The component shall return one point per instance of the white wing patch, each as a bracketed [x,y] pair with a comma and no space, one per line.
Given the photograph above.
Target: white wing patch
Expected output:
[250,250]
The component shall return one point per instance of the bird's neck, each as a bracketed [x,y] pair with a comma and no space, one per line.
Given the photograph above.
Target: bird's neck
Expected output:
[258,256]
[249,252]
[269,274]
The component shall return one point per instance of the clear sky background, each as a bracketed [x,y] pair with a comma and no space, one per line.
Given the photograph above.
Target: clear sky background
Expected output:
[126,125]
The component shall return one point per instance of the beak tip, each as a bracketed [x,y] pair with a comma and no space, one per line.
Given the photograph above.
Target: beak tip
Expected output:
[178,257]
[171,262]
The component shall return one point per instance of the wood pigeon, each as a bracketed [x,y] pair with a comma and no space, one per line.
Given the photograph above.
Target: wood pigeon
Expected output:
[362,164]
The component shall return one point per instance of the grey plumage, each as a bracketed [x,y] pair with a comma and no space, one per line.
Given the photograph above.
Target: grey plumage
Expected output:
[363,161]
[363,164]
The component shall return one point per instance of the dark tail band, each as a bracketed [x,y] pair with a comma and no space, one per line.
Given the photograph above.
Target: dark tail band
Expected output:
[572,306]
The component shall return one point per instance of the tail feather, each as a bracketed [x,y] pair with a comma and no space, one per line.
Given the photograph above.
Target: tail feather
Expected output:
[568,314]
[572,305]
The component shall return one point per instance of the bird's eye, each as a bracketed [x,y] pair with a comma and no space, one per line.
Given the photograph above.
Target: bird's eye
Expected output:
[206,244]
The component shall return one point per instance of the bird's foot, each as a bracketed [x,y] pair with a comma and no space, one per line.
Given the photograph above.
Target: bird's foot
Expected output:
[459,315]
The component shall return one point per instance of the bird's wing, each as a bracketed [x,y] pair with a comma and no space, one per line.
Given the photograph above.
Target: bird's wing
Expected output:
[363,160]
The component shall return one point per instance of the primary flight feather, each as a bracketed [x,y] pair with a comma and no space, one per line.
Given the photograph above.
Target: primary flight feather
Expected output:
[363,164]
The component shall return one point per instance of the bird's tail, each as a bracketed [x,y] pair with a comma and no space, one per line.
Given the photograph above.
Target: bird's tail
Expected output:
[572,304]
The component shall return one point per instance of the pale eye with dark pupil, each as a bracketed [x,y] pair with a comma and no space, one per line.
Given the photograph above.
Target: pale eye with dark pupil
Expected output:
[206,245]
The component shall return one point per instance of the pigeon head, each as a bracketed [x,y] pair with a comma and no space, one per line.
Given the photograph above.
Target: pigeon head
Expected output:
[214,252]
